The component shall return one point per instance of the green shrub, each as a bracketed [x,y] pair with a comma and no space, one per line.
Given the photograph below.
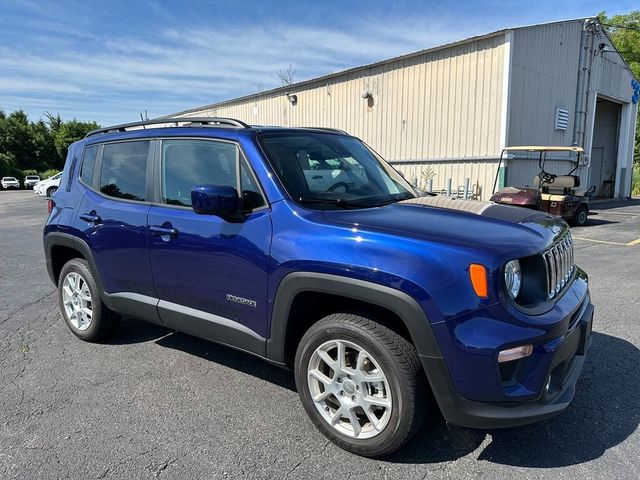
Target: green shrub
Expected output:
[635,186]
[49,173]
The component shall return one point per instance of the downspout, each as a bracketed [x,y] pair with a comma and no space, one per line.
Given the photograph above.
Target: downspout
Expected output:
[579,89]
[592,30]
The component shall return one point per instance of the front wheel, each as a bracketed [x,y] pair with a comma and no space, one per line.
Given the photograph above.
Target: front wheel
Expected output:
[361,384]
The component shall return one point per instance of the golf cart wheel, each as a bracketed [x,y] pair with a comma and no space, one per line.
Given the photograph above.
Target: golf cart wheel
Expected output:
[580,217]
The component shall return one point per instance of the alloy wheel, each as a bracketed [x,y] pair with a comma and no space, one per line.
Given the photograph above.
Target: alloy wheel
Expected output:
[77,302]
[349,389]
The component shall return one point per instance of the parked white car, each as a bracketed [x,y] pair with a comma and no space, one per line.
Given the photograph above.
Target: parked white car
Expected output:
[30,181]
[10,182]
[49,186]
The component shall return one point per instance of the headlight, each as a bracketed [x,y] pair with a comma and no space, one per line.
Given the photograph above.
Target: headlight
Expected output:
[513,278]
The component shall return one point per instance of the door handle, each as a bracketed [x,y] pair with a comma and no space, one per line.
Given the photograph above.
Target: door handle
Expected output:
[159,231]
[91,217]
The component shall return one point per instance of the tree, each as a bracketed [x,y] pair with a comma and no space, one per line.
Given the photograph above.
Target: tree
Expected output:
[287,76]
[45,145]
[70,132]
[36,146]
[624,31]
[18,140]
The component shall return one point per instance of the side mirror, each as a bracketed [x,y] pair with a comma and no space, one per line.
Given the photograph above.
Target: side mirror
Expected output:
[220,200]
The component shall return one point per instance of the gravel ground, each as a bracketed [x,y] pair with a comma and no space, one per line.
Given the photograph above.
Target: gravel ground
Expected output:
[155,403]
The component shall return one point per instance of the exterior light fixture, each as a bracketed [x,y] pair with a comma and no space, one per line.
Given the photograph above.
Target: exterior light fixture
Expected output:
[293,99]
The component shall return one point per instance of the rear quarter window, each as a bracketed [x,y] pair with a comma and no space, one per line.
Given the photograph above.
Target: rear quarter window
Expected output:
[88,164]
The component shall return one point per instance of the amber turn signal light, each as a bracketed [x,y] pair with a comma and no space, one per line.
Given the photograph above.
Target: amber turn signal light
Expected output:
[478,275]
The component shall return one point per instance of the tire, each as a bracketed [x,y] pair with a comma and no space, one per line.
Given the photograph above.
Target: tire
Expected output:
[580,216]
[397,381]
[51,191]
[102,323]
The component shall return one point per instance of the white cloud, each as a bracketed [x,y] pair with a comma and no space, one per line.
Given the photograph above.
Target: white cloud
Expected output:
[182,68]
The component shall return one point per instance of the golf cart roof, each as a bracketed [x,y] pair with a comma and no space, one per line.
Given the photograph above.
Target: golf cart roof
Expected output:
[543,149]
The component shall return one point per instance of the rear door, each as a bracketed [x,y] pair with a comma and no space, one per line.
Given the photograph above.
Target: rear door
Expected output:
[210,274]
[112,220]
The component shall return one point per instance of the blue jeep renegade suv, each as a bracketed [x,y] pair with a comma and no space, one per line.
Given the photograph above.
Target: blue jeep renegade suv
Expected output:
[303,247]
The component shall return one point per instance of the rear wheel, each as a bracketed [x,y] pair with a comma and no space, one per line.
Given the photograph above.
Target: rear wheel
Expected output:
[361,384]
[83,311]
[51,191]
[580,216]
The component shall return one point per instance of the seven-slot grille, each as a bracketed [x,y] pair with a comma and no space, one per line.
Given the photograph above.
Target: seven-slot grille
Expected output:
[559,262]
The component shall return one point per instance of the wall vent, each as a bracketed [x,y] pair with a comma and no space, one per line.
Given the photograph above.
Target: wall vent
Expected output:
[562,119]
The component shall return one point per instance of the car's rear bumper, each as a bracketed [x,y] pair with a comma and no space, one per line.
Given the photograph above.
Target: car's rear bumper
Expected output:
[562,375]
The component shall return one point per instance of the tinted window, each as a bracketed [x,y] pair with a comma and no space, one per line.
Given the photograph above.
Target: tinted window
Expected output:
[186,163]
[88,164]
[325,167]
[124,169]
[251,196]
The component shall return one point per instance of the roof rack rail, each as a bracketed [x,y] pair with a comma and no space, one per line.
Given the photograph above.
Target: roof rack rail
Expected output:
[186,121]
[328,129]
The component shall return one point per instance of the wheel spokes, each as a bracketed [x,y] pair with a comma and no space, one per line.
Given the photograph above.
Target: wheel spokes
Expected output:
[349,389]
[321,377]
[76,300]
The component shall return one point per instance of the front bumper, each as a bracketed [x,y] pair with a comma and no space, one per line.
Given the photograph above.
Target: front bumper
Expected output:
[557,372]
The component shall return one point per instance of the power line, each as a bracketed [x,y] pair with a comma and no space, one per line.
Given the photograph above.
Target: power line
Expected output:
[637,29]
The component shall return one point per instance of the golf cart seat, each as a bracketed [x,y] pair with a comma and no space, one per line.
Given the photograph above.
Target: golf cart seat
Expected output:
[559,185]
[552,197]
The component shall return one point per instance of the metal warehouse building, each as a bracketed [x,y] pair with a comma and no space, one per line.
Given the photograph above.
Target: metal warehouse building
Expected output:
[446,112]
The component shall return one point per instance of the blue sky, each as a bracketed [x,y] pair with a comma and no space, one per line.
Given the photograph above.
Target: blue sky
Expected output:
[109,61]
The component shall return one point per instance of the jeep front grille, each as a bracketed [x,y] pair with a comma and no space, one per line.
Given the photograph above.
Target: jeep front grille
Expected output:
[559,263]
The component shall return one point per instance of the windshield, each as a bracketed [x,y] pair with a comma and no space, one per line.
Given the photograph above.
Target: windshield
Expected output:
[32,177]
[333,171]
[9,179]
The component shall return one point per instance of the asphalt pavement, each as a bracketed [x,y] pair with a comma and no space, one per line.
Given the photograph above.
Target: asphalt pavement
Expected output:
[155,403]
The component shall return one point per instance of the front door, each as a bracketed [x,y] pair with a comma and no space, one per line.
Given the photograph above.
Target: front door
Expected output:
[210,274]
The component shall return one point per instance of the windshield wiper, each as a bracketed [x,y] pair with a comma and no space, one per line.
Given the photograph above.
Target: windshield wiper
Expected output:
[339,202]
[394,199]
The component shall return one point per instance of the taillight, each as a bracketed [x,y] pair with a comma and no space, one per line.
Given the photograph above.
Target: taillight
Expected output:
[50,205]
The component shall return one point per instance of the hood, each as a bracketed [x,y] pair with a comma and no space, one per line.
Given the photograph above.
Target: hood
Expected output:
[500,229]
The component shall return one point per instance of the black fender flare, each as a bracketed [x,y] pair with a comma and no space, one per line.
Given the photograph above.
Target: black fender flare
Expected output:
[52,239]
[404,306]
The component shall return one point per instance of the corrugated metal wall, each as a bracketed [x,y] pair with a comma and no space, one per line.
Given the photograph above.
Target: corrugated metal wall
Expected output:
[544,75]
[438,105]
[611,76]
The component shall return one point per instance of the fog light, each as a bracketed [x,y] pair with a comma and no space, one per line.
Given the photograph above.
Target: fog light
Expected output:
[515,353]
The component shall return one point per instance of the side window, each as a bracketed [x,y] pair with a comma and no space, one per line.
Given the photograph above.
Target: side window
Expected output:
[251,196]
[88,164]
[124,170]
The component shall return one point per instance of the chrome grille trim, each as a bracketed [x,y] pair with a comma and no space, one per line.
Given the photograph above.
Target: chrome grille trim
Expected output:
[558,260]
